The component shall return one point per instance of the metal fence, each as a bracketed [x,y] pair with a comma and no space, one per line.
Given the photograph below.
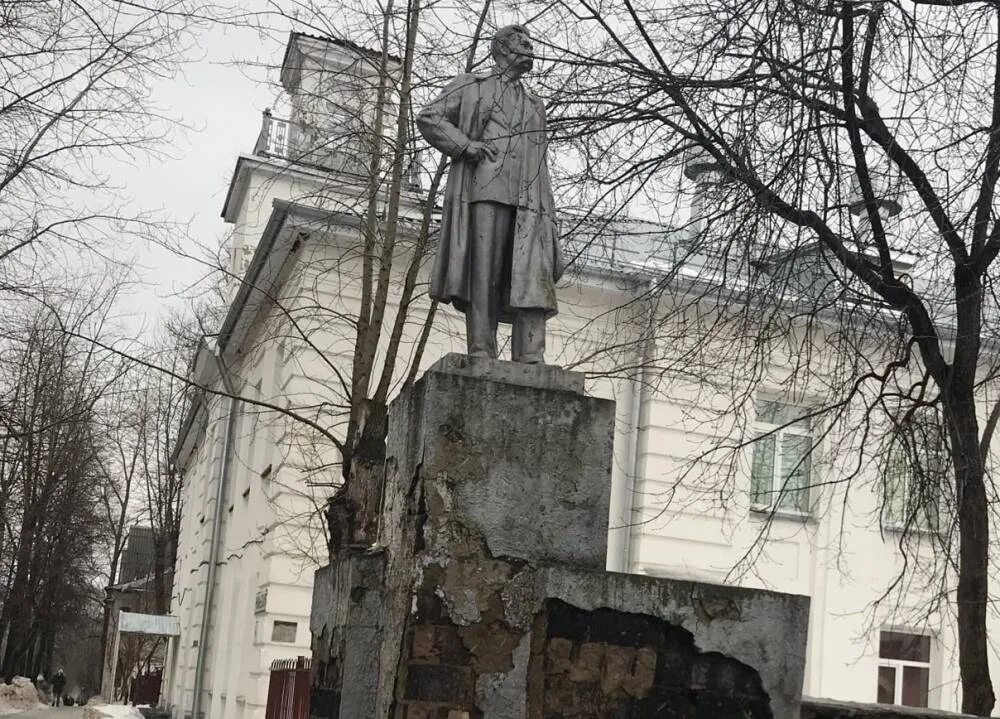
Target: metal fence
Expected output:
[288,692]
[275,138]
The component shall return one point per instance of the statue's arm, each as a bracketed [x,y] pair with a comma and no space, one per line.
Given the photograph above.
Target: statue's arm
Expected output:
[438,122]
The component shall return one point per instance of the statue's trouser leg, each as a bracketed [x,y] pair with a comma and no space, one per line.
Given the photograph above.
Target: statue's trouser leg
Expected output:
[492,230]
[527,337]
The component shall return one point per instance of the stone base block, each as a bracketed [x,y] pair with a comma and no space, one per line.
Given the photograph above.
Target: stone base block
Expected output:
[512,456]
[829,709]
[503,639]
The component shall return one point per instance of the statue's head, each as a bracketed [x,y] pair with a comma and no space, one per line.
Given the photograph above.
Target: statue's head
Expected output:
[512,50]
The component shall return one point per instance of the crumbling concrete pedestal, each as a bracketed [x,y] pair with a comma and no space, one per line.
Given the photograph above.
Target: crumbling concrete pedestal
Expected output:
[486,595]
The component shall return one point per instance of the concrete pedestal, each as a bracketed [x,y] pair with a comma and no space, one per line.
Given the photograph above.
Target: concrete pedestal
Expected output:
[511,458]
[486,595]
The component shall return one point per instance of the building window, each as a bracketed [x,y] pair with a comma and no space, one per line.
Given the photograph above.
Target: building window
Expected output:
[780,475]
[904,669]
[284,631]
[916,474]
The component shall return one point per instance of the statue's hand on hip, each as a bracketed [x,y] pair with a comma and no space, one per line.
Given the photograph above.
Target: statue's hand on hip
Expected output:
[476,151]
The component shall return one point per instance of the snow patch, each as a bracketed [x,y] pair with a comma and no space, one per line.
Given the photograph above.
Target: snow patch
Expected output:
[18,696]
[111,711]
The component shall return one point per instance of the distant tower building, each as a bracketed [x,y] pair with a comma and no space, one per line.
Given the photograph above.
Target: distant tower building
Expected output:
[138,556]
[333,88]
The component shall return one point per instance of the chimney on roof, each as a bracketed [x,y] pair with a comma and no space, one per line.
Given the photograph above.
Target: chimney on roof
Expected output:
[709,175]
[885,198]
[888,207]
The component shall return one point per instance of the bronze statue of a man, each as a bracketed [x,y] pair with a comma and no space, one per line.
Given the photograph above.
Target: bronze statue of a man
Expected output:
[499,256]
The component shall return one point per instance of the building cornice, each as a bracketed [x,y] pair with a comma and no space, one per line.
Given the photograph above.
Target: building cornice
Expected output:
[246,165]
[288,227]
[346,186]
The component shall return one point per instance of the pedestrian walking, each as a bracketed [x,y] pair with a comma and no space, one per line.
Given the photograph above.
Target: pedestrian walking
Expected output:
[58,684]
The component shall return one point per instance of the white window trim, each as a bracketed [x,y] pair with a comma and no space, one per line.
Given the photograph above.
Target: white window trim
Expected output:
[903,476]
[287,624]
[771,511]
[898,665]
[894,526]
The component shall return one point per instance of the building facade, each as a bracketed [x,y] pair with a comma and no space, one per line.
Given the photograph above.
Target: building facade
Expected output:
[256,480]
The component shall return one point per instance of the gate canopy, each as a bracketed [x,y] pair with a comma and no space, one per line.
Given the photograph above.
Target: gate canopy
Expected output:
[161,624]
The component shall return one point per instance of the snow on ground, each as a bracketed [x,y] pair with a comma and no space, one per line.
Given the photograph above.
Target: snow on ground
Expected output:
[18,696]
[111,711]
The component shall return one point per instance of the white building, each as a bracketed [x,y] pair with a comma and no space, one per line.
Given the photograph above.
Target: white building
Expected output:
[255,482]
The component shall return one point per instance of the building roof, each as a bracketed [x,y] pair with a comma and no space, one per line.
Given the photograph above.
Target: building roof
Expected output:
[145,583]
[635,252]
[160,624]
[346,44]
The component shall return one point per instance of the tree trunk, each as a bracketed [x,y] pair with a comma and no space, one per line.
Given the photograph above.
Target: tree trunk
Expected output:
[353,512]
[17,613]
[973,558]
[108,601]
[367,475]
[161,603]
[105,626]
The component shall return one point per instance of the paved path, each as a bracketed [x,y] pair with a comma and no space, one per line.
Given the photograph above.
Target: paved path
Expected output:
[51,713]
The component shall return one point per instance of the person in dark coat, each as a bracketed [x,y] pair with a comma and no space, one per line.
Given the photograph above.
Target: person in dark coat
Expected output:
[58,684]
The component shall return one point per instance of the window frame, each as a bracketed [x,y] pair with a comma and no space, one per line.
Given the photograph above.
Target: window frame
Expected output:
[763,429]
[898,665]
[907,518]
[285,624]
[899,474]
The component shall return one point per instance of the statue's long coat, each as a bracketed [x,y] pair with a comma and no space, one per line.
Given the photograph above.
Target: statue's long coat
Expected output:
[449,123]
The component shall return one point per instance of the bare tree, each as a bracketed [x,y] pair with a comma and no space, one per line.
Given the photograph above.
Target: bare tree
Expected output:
[803,128]
[119,466]
[160,413]
[77,98]
[141,415]
[777,105]
[78,101]
[53,482]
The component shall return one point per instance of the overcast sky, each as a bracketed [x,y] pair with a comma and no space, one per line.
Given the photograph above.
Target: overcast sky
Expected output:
[219,103]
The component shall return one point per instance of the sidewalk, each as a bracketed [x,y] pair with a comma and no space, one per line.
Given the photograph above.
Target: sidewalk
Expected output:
[51,713]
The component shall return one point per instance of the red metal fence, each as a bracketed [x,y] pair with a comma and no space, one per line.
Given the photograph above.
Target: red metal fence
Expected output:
[288,692]
[146,688]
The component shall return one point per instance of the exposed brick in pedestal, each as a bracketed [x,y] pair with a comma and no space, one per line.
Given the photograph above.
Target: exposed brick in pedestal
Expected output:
[612,664]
